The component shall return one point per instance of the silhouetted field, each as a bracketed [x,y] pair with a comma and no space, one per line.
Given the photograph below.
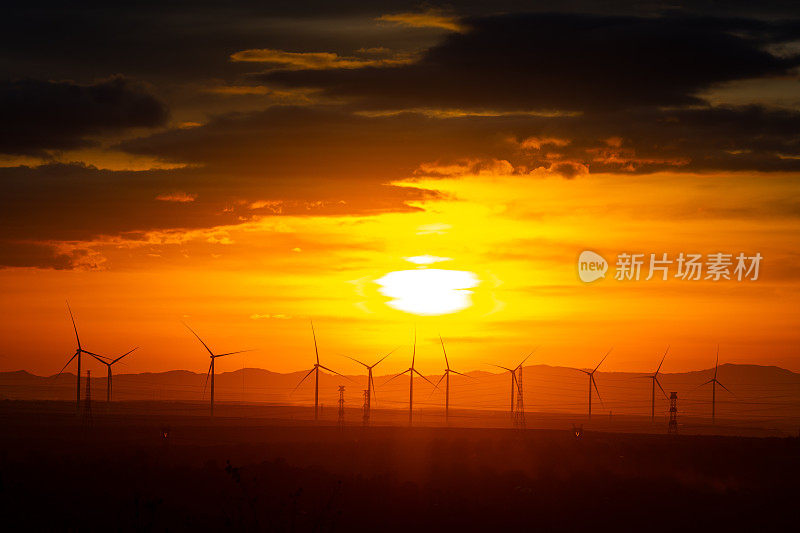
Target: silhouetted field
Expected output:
[59,473]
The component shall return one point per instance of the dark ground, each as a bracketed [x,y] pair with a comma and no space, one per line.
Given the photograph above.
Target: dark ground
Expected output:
[120,474]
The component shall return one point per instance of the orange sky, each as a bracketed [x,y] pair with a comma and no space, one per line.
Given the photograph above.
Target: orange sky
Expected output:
[248,168]
[256,285]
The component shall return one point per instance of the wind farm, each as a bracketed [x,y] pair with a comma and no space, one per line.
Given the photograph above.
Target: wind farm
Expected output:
[267,429]
[479,392]
[546,252]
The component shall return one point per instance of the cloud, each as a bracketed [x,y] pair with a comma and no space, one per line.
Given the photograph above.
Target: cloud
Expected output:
[431,18]
[568,169]
[42,115]
[537,143]
[34,254]
[566,62]
[177,196]
[282,60]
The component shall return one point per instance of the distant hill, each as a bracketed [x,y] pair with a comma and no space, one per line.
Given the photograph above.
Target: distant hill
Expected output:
[757,392]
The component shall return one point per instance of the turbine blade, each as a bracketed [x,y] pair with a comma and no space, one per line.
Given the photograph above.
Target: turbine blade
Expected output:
[206,383]
[601,361]
[662,361]
[440,379]
[124,355]
[662,388]
[598,392]
[704,384]
[68,362]
[335,372]
[234,353]
[724,387]
[372,382]
[87,352]
[73,325]
[99,358]
[384,357]
[503,367]
[414,353]
[446,362]
[716,365]
[356,360]
[395,376]
[314,334]
[423,377]
[302,380]
[198,338]
[460,374]
[527,357]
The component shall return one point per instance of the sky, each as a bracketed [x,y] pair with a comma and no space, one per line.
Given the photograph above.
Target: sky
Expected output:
[386,167]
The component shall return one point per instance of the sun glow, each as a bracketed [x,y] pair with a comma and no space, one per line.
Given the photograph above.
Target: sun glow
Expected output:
[428,291]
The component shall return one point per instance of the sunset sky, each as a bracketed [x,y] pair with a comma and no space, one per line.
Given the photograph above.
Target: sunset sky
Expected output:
[393,165]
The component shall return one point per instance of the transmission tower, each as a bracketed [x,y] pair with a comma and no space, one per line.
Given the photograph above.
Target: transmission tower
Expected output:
[519,411]
[341,406]
[366,407]
[87,409]
[673,413]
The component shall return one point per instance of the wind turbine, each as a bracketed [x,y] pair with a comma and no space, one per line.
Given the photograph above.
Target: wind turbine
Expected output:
[78,351]
[654,377]
[514,382]
[593,383]
[446,377]
[108,367]
[370,381]
[213,357]
[315,369]
[714,382]
[411,371]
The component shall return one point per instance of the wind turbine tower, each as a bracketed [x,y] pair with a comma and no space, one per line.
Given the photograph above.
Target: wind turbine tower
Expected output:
[211,370]
[78,352]
[714,382]
[108,367]
[370,392]
[593,383]
[411,371]
[315,370]
[516,386]
[446,378]
[654,378]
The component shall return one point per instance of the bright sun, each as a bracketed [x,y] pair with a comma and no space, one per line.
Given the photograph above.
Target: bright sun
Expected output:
[428,291]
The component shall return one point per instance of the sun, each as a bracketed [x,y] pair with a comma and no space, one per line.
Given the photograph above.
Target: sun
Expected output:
[428,291]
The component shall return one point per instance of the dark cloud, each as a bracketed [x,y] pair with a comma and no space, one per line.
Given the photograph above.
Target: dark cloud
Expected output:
[33,254]
[565,62]
[634,79]
[77,203]
[299,151]
[321,144]
[42,115]
[74,202]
